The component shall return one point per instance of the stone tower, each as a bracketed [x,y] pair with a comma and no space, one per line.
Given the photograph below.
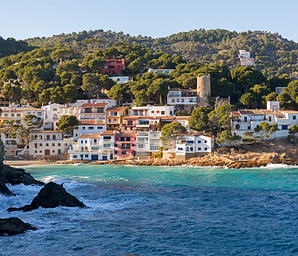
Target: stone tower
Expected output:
[203,89]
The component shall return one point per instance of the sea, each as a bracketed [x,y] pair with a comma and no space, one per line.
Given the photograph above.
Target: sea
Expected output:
[135,210]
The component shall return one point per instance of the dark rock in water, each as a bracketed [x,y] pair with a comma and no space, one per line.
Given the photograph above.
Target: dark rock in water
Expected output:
[16,176]
[14,226]
[50,196]
[3,189]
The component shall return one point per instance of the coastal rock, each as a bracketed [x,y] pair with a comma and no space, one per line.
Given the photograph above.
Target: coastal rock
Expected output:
[14,226]
[3,189]
[16,176]
[50,196]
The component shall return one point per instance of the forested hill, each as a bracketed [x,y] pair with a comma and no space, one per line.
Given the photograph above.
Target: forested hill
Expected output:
[11,46]
[274,55]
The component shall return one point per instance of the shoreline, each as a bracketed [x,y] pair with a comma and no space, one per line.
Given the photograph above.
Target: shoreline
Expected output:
[212,160]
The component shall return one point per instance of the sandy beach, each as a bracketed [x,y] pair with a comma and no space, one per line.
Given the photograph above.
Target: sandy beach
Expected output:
[19,163]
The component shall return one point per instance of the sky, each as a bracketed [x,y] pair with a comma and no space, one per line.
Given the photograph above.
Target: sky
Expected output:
[156,18]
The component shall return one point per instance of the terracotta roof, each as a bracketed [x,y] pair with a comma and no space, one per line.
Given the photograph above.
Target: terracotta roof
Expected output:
[182,117]
[94,104]
[45,131]
[290,111]
[113,109]
[131,117]
[108,133]
[89,122]
[93,135]
[127,134]
[235,113]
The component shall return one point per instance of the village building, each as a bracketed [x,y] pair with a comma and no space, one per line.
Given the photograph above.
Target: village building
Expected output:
[147,144]
[93,147]
[125,145]
[161,71]
[189,146]
[110,101]
[48,143]
[189,99]
[152,111]
[88,127]
[113,66]
[121,79]
[114,118]
[246,120]
[94,111]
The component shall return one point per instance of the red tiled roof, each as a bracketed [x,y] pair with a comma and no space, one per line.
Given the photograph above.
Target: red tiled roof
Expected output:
[108,133]
[94,104]
[93,135]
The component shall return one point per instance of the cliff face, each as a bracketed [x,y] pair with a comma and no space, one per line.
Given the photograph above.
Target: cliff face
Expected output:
[3,189]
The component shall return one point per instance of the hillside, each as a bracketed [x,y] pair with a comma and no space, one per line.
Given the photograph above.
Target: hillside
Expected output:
[274,55]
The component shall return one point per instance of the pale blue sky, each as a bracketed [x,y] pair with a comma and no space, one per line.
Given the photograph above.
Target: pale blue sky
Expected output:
[157,18]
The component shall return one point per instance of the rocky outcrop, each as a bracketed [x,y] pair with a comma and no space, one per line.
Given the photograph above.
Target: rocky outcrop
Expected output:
[16,176]
[14,226]
[50,196]
[3,189]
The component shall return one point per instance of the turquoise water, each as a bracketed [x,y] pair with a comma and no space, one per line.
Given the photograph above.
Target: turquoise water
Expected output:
[160,211]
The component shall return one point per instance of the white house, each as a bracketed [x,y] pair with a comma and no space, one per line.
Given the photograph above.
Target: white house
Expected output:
[120,79]
[183,99]
[147,143]
[88,127]
[46,143]
[162,71]
[93,147]
[152,111]
[110,101]
[188,146]
[246,120]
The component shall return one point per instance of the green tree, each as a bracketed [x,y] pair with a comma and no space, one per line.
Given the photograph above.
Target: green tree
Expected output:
[67,123]
[227,139]
[247,98]
[32,121]
[70,93]
[199,119]
[171,131]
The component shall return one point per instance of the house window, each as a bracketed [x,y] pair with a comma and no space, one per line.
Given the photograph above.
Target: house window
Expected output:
[284,127]
[40,144]
[35,151]
[53,144]
[99,127]
[205,149]
[178,100]
[294,117]
[90,128]
[245,119]
[116,152]
[205,141]
[83,128]
[187,149]
[47,144]
[127,138]
[180,148]
[85,141]
[53,151]
[163,112]
[199,149]
[191,148]
[86,156]
[123,152]
[39,113]
[40,151]
[182,100]
[269,118]
[199,141]
[95,140]
[122,139]
[248,127]
[131,128]
[129,122]
[173,100]
[74,156]
[12,115]
[59,144]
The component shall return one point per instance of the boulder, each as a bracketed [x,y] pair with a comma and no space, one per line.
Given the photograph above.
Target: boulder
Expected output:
[14,226]
[50,196]
[16,176]
[3,189]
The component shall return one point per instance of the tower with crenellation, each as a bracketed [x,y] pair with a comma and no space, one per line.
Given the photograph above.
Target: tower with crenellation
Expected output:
[203,89]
